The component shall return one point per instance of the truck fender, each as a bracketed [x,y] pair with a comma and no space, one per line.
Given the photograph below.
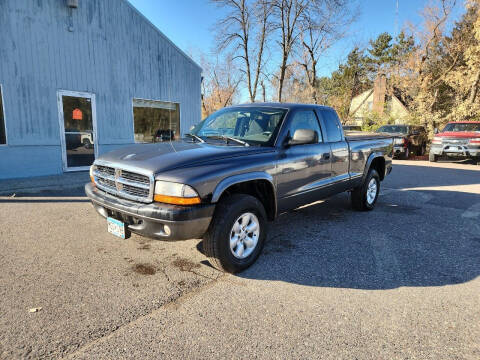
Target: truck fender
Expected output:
[370,159]
[240,178]
[236,179]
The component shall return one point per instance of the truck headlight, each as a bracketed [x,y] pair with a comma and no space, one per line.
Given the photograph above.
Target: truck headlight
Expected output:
[92,177]
[437,140]
[175,193]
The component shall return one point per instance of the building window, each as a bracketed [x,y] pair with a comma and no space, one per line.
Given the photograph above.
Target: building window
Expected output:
[3,131]
[155,121]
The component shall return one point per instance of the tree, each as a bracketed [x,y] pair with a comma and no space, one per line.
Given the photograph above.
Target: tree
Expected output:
[287,15]
[220,82]
[349,80]
[244,32]
[380,52]
[325,23]
[464,78]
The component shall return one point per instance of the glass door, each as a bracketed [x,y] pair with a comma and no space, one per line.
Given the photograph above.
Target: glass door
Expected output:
[78,129]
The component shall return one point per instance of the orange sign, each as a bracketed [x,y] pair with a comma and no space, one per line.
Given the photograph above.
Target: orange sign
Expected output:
[77,114]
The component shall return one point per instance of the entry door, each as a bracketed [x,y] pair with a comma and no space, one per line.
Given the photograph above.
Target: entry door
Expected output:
[304,171]
[77,129]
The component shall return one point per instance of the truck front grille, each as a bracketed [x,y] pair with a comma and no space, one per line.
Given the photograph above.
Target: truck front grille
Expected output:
[123,183]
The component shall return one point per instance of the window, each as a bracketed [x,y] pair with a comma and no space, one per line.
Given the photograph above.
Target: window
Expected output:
[3,131]
[78,125]
[256,126]
[305,120]
[473,127]
[393,129]
[334,130]
[155,121]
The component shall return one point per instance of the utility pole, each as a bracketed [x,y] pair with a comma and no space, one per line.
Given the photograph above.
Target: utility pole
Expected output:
[396,18]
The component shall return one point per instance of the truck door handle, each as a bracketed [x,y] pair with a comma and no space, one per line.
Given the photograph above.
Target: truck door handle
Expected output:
[326,156]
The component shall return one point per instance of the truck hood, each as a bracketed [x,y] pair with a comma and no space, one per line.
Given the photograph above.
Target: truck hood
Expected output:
[161,157]
[459,134]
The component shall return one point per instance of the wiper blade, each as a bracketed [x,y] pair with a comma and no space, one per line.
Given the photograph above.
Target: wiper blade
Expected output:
[228,138]
[196,137]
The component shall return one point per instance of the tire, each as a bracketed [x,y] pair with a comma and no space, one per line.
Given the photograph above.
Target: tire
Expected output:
[423,149]
[228,216]
[432,157]
[361,197]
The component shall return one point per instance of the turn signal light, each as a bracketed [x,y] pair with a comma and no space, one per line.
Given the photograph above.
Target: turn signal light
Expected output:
[177,200]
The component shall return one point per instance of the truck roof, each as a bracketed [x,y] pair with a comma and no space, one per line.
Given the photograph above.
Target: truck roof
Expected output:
[282,105]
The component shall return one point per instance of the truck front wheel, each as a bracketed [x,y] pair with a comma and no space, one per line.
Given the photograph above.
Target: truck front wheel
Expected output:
[236,234]
[365,196]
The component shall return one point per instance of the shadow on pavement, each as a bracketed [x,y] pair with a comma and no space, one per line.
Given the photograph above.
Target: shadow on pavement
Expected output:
[72,195]
[329,245]
[422,176]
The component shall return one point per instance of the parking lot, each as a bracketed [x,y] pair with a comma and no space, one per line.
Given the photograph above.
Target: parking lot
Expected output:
[399,282]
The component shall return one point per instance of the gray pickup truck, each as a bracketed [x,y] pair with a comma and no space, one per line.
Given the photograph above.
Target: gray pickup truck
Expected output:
[239,168]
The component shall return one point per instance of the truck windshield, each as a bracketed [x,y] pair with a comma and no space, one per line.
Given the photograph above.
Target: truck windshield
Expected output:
[253,125]
[402,129]
[462,127]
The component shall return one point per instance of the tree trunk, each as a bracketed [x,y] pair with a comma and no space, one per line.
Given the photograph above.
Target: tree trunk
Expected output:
[283,69]
[474,89]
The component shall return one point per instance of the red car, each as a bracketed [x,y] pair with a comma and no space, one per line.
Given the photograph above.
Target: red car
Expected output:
[457,139]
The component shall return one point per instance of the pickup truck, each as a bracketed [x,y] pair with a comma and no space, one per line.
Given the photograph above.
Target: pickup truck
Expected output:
[406,138]
[458,139]
[238,169]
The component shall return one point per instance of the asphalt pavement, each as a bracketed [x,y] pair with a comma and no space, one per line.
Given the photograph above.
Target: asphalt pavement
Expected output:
[400,282]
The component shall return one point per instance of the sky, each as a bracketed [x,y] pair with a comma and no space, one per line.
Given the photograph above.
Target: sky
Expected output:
[190,24]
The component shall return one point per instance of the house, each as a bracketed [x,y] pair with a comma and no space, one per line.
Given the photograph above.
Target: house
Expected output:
[82,77]
[377,101]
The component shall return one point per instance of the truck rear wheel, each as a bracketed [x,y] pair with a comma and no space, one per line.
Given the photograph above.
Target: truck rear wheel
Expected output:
[236,234]
[365,196]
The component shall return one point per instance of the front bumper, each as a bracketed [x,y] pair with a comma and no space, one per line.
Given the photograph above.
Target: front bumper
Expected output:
[156,220]
[455,150]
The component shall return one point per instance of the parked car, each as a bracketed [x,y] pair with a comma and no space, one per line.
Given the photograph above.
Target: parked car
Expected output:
[225,188]
[164,135]
[457,139]
[352,128]
[408,139]
[86,138]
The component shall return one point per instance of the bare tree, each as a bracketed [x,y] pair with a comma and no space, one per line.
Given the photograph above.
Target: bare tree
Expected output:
[244,31]
[325,23]
[220,83]
[288,14]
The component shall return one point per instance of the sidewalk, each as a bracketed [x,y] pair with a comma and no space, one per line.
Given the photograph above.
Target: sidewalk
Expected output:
[54,183]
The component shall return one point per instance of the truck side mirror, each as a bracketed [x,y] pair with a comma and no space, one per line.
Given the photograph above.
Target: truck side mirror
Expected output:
[303,136]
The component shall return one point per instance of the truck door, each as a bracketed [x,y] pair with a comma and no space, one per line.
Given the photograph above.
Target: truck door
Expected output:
[339,149]
[302,170]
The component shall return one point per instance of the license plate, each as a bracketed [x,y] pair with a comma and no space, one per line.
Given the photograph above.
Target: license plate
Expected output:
[116,227]
[454,148]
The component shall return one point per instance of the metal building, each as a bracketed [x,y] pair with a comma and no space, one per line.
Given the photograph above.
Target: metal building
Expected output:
[82,77]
